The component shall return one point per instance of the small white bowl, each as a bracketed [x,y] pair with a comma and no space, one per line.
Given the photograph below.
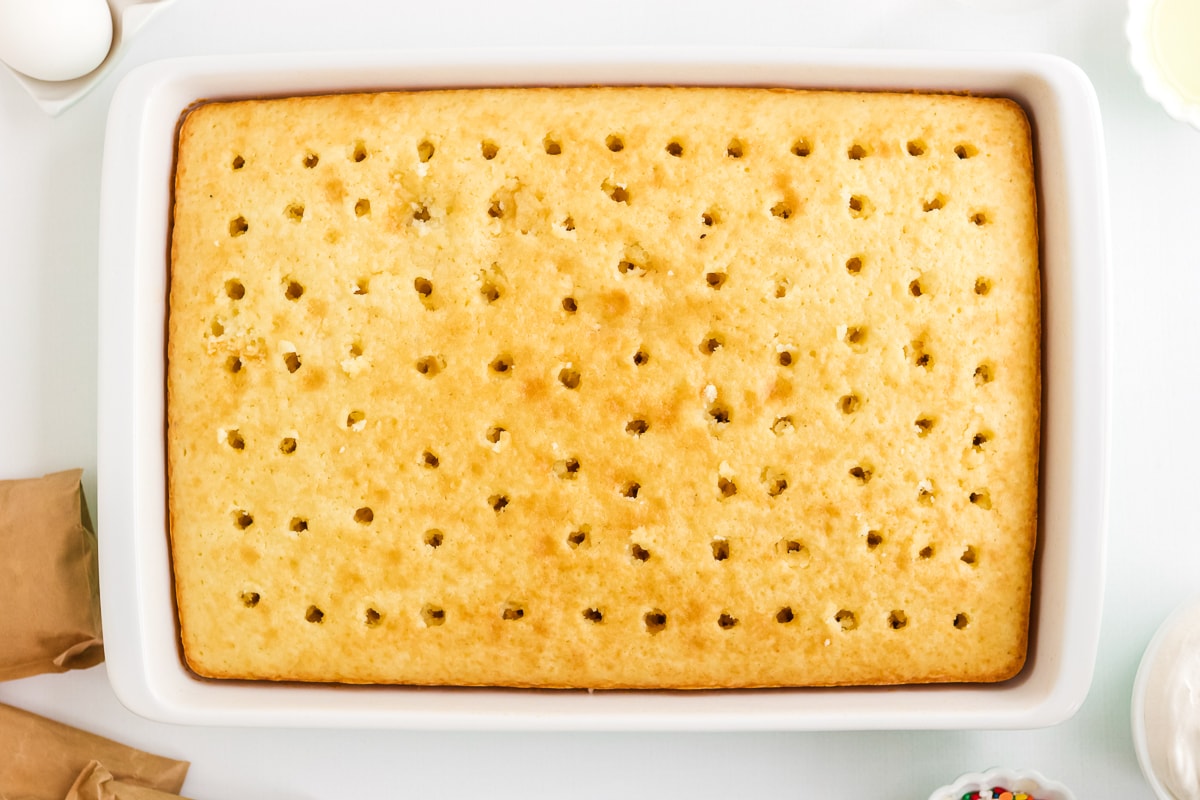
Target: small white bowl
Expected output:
[1185,614]
[1036,785]
[1147,58]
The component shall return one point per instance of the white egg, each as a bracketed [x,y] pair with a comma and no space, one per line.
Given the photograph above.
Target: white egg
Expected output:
[54,40]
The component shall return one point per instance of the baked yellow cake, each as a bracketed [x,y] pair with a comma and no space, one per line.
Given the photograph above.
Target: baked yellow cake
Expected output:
[646,387]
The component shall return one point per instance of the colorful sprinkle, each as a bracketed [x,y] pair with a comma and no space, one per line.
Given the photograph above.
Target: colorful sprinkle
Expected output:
[997,793]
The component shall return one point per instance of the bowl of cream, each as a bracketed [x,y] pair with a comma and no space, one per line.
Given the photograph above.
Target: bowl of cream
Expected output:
[1164,47]
[1166,706]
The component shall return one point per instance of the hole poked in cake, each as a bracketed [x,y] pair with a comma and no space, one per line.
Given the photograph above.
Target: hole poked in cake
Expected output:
[433,538]
[637,427]
[782,210]
[568,223]
[488,149]
[801,148]
[924,425]
[917,354]
[498,502]
[846,619]
[710,218]
[615,142]
[925,493]
[915,288]
[969,556]
[423,287]
[716,280]
[961,620]
[287,445]
[655,621]
[897,620]
[501,365]
[364,515]
[860,206]
[429,460]
[641,358]
[314,615]
[980,218]
[566,469]
[984,374]
[854,265]
[854,337]
[310,160]
[966,150]
[234,289]
[849,403]
[291,361]
[794,551]
[242,519]
[980,440]
[570,305]
[638,553]
[362,207]
[238,162]
[857,151]
[496,435]
[630,490]
[785,615]
[915,147]
[356,420]
[580,537]
[552,145]
[726,488]
[675,148]
[372,618]
[234,364]
[774,480]
[432,616]
[298,525]
[616,192]
[935,203]
[250,599]
[513,611]
[294,212]
[862,474]
[425,151]
[569,377]
[718,415]
[720,549]
[982,286]
[783,284]
[874,539]
[593,615]
[217,327]
[238,226]
[925,553]
[429,366]
[735,149]
[782,426]
[784,358]
[727,621]
[712,342]
[421,213]
[293,290]
[235,439]
[981,498]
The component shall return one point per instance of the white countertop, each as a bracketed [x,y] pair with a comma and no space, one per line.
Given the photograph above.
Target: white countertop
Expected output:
[49,186]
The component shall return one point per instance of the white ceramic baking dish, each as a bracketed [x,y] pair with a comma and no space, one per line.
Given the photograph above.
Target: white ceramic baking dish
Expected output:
[144,662]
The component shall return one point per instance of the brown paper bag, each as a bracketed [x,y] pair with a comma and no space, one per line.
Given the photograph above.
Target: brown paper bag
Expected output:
[40,759]
[97,783]
[49,588]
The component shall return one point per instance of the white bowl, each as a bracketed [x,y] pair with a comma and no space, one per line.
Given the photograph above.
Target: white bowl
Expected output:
[1148,687]
[140,633]
[1016,780]
[1147,58]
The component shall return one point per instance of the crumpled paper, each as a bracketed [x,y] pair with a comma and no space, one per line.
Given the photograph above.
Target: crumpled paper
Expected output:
[41,759]
[49,585]
[97,783]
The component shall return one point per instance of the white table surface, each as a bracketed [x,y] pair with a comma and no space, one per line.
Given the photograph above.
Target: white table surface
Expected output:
[49,186]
